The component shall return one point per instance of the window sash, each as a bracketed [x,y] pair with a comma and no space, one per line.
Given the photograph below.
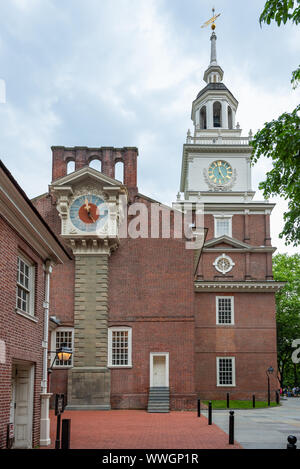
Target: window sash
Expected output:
[225,311]
[25,286]
[64,336]
[226,371]
[119,347]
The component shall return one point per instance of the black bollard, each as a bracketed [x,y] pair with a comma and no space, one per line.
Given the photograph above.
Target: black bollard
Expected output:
[277,397]
[209,413]
[199,408]
[292,440]
[253,401]
[231,427]
[227,397]
[58,425]
[65,434]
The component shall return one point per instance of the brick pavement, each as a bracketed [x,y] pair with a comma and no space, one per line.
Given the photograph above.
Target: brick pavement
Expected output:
[136,429]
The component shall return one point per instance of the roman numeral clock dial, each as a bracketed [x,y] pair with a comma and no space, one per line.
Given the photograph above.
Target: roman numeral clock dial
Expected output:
[220,172]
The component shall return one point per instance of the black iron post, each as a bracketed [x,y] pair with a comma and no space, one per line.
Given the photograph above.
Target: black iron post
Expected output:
[277,397]
[268,372]
[227,397]
[199,408]
[57,441]
[209,413]
[231,427]
[253,401]
[292,440]
[66,434]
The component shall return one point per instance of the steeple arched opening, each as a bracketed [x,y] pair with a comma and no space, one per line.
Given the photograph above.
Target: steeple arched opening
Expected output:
[95,163]
[70,166]
[203,118]
[217,114]
[119,171]
[229,115]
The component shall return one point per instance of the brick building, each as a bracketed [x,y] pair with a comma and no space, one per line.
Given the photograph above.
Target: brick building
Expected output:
[152,323]
[28,251]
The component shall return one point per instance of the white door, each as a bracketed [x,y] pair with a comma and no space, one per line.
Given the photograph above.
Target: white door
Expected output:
[159,370]
[23,415]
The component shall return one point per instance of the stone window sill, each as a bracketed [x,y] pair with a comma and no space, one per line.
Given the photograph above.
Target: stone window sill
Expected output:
[26,315]
[119,367]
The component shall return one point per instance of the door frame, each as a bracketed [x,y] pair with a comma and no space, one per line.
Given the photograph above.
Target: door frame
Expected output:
[159,354]
[31,372]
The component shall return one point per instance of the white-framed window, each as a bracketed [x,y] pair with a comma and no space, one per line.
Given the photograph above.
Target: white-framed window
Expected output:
[223,225]
[120,347]
[25,286]
[225,309]
[225,371]
[62,336]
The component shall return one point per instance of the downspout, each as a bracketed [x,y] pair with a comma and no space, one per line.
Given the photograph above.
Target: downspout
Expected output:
[45,396]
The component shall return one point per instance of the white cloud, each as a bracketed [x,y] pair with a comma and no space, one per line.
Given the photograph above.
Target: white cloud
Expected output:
[125,73]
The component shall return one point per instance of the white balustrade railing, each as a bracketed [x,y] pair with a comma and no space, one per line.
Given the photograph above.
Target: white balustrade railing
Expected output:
[219,140]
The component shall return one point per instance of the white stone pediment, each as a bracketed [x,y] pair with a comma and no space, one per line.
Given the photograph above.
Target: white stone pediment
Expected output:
[87,175]
[225,241]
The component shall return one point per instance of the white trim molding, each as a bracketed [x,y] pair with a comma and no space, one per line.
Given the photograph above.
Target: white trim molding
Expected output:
[223,218]
[233,380]
[110,341]
[246,286]
[223,264]
[53,346]
[231,298]
[160,354]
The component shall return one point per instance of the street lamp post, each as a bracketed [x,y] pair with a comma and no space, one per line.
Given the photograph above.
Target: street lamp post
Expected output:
[268,373]
[63,354]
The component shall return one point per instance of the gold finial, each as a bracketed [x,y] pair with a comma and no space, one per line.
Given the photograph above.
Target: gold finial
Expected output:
[211,21]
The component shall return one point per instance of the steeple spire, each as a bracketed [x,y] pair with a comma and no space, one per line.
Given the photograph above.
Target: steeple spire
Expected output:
[214,73]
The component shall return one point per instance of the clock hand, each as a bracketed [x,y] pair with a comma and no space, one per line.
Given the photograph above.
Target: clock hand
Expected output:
[87,206]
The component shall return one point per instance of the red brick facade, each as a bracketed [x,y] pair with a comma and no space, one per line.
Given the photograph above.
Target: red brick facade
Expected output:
[151,290]
[21,334]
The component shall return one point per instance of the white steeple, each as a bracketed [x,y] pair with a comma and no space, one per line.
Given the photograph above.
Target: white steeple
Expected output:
[214,109]
[216,158]
[214,73]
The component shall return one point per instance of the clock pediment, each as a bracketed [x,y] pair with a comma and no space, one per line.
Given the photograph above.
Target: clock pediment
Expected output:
[87,176]
[90,207]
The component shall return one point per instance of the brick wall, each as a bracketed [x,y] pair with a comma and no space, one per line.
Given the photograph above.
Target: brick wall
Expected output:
[22,337]
[251,340]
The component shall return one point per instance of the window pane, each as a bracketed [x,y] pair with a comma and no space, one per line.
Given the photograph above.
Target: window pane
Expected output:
[225,371]
[64,337]
[119,347]
[225,310]
[222,227]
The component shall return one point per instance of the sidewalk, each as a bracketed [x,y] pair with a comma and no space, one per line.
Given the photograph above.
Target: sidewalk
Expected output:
[264,428]
[137,429]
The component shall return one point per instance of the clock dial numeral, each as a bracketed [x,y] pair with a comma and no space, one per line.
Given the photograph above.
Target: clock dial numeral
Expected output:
[220,172]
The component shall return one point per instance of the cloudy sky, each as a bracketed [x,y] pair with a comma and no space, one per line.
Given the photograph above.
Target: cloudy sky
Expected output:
[124,73]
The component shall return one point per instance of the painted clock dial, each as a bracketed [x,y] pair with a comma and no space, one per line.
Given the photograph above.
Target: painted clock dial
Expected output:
[87,213]
[220,172]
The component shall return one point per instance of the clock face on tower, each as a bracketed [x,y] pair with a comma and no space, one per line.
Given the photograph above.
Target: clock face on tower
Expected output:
[220,172]
[88,214]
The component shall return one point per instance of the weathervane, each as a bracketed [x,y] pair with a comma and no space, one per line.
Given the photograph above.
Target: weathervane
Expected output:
[211,21]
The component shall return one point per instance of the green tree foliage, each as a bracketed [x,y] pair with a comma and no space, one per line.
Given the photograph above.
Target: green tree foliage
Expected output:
[287,269]
[281,11]
[280,139]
